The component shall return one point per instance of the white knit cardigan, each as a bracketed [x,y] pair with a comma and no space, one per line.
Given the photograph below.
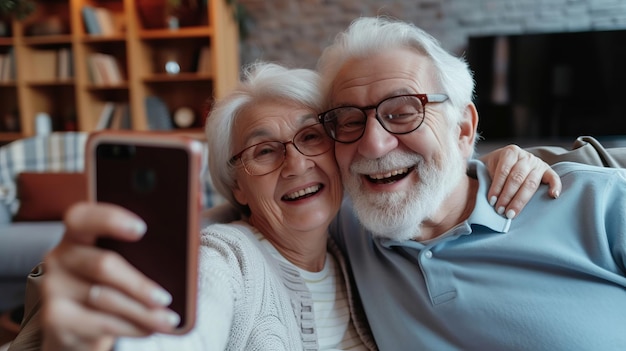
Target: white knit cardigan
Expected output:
[248,300]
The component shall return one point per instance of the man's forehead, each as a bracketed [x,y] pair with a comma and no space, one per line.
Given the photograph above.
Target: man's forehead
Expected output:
[366,81]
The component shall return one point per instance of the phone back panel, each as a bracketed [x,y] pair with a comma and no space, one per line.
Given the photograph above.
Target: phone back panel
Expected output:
[154,182]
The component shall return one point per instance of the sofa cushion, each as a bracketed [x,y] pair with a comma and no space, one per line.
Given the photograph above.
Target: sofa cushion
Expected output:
[45,196]
[5,215]
[22,246]
[55,152]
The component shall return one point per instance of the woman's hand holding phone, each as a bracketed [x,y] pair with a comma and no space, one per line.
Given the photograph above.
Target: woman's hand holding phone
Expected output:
[93,295]
[136,238]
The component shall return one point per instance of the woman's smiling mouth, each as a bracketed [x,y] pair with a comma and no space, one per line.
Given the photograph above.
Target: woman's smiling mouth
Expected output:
[303,193]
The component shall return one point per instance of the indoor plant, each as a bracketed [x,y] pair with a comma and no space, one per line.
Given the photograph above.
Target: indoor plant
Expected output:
[13,9]
[17,9]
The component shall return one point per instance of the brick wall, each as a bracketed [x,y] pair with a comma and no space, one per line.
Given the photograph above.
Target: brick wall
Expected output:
[294,32]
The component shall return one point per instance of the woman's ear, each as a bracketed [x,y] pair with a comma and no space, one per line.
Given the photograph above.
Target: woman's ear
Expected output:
[239,194]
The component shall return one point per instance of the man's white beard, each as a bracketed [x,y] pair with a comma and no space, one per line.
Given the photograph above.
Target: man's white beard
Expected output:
[399,215]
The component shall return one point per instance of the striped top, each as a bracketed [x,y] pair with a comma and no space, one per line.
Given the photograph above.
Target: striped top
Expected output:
[330,303]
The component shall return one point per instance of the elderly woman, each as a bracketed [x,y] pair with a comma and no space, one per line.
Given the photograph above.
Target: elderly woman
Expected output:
[270,281]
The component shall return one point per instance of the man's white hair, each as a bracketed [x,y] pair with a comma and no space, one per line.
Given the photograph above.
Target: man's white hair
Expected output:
[368,36]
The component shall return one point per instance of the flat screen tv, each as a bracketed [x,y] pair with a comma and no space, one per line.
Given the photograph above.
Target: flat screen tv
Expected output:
[550,86]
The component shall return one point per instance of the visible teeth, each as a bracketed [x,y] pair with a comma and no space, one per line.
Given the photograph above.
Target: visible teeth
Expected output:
[389,174]
[303,192]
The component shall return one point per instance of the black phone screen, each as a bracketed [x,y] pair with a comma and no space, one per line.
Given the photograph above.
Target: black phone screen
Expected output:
[151,181]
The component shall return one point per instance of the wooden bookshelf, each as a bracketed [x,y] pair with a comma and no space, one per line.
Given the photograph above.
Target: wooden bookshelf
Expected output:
[48,80]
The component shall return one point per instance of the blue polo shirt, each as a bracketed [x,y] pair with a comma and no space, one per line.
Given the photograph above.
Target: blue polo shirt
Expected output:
[554,278]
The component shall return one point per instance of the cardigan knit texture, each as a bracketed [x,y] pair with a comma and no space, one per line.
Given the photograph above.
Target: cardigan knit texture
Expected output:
[249,300]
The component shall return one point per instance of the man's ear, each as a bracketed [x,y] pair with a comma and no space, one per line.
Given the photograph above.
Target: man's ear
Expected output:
[468,126]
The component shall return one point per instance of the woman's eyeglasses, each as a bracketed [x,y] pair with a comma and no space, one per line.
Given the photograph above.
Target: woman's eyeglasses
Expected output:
[266,157]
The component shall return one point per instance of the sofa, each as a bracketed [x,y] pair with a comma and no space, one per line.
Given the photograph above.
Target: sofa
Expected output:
[40,177]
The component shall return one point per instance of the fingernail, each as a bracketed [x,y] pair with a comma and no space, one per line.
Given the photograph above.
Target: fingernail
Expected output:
[161,297]
[510,214]
[136,227]
[170,317]
[500,210]
[556,194]
[492,200]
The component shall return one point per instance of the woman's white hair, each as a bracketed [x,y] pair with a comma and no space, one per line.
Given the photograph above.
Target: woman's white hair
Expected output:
[261,81]
[368,36]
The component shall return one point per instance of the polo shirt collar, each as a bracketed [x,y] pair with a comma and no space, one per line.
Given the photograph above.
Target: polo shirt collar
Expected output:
[484,214]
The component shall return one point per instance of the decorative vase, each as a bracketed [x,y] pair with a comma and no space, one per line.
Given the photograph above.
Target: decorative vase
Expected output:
[160,13]
[189,13]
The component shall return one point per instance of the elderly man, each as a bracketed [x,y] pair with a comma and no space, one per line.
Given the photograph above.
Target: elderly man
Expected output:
[436,267]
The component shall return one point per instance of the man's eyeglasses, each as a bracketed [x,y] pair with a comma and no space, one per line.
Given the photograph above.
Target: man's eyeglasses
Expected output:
[266,157]
[400,114]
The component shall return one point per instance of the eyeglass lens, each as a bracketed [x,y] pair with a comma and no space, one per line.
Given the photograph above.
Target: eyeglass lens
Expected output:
[268,156]
[398,115]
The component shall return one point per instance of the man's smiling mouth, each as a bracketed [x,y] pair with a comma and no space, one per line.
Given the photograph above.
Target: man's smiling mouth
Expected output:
[388,177]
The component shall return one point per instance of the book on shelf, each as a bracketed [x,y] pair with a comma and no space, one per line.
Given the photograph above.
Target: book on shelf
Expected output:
[158,114]
[47,65]
[4,61]
[114,115]
[103,69]
[96,76]
[44,64]
[92,26]
[204,60]
[106,21]
[64,63]
[7,73]
[104,121]
[101,21]
[7,67]
[113,75]
[71,62]
[121,117]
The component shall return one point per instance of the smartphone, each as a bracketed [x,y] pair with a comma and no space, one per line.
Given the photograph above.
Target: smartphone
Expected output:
[156,176]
